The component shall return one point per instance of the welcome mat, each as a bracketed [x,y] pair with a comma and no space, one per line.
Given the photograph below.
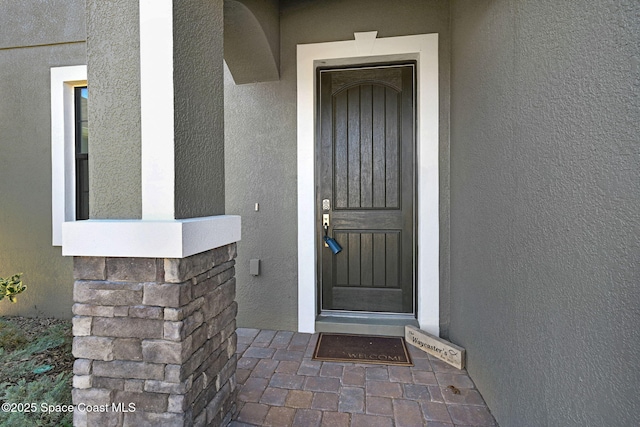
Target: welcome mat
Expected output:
[362,349]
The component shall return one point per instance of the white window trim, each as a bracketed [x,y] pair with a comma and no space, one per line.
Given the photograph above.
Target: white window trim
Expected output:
[63,179]
[367,48]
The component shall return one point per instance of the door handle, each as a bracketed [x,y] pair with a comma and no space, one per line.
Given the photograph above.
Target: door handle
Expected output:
[325,226]
[329,242]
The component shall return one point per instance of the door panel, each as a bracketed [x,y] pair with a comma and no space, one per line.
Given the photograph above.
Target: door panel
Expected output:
[366,168]
[366,155]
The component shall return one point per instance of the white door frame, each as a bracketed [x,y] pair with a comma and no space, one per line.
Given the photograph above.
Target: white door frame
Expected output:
[366,48]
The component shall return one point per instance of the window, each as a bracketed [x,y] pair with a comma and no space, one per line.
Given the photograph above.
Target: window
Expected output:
[82,153]
[69,147]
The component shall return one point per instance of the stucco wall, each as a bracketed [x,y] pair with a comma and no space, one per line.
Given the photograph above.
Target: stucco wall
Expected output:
[114,109]
[260,148]
[545,202]
[41,22]
[199,121]
[29,46]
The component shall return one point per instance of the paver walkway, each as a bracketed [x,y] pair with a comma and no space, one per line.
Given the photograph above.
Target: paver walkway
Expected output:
[280,385]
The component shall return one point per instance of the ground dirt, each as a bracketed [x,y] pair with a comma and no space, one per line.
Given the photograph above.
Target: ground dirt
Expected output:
[59,358]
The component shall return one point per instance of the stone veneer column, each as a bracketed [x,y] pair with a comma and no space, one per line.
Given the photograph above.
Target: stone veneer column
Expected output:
[158,333]
[154,309]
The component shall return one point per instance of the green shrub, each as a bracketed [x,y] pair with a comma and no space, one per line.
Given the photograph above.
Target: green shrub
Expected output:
[52,391]
[11,287]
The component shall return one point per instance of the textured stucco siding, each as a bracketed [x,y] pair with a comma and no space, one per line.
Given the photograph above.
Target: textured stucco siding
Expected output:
[199,101]
[113,52]
[41,22]
[25,156]
[260,148]
[545,202]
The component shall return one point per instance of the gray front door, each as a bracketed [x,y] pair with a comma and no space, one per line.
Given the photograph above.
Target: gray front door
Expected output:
[366,170]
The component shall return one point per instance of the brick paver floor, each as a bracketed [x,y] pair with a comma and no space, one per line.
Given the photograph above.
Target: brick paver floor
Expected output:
[280,385]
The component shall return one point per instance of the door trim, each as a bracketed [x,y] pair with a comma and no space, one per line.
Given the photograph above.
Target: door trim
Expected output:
[366,48]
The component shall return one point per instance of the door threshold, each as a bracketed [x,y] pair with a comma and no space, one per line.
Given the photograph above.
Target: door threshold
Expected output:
[369,325]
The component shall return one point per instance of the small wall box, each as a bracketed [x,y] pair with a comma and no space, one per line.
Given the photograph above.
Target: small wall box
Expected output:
[254,267]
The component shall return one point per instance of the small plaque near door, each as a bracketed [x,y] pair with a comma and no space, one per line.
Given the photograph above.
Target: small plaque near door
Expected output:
[442,349]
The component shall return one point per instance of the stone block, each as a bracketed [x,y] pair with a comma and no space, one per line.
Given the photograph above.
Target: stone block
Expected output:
[218,323]
[210,284]
[201,420]
[108,383]
[104,419]
[163,351]
[215,364]
[192,323]
[232,250]
[178,270]
[203,398]
[81,381]
[145,402]
[82,367]
[212,350]
[232,342]
[92,310]
[194,397]
[172,373]
[107,293]
[177,331]
[127,327]
[80,419]
[142,418]
[227,372]
[134,385]
[89,268]
[131,269]
[81,326]
[199,336]
[173,331]
[176,403]
[127,349]
[121,311]
[177,314]
[233,381]
[211,353]
[194,361]
[229,331]
[442,349]
[96,348]
[218,300]
[207,363]
[167,294]
[128,370]
[91,396]
[155,386]
[146,312]
[215,271]
[216,407]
